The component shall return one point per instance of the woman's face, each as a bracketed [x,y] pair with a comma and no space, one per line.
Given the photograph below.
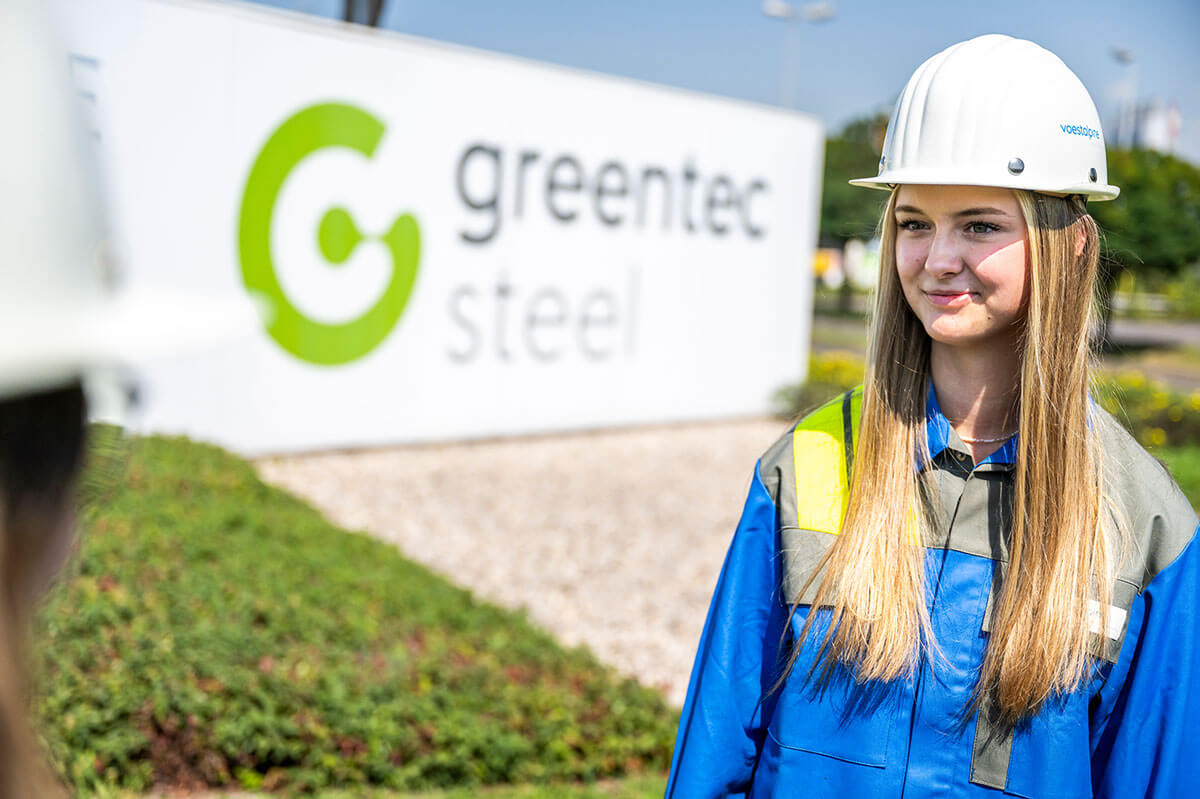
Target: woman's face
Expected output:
[962,259]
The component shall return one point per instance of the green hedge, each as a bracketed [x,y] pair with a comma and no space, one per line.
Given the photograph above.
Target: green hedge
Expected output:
[1156,415]
[218,632]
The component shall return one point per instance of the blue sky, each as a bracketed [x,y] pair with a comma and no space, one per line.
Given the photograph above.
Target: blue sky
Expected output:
[854,64]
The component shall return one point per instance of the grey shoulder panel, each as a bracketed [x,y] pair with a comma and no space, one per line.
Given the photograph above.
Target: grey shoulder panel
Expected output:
[1159,518]
[803,552]
[777,470]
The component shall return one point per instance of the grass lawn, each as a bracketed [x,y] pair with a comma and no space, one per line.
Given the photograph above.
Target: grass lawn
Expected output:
[839,333]
[218,633]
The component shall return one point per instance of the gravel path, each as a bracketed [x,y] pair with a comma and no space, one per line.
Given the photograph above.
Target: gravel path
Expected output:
[610,539]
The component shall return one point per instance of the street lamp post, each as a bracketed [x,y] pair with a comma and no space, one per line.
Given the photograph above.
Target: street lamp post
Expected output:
[365,12]
[1128,124]
[814,12]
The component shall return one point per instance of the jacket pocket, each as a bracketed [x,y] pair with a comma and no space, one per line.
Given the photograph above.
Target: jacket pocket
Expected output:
[835,717]
[1051,756]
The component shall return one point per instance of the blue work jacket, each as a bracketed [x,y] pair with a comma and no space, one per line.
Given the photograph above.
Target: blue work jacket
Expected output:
[1126,733]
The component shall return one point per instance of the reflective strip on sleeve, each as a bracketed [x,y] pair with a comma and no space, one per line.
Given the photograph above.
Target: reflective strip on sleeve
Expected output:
[1114,624]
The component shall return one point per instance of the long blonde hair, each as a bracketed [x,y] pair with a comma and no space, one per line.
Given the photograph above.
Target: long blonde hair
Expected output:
[873,575]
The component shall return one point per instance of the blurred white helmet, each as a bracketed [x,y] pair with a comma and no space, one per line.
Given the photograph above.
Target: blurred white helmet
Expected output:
[996,111]
[62,317]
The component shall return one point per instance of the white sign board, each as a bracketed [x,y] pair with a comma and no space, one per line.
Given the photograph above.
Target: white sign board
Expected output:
[451,243]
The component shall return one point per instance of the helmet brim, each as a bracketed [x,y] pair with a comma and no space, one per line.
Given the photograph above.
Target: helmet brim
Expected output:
[1094,192]
[130,328]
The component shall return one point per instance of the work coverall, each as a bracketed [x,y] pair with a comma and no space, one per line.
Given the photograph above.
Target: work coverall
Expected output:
[1130,731]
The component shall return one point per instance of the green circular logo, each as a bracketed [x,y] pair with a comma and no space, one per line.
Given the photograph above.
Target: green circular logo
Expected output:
[305,132]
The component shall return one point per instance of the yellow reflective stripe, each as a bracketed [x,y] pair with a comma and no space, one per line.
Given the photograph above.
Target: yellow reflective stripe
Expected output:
[820,464]
[820,481]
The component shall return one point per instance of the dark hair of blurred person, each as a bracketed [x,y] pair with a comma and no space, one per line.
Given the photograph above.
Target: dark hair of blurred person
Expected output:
[41,449]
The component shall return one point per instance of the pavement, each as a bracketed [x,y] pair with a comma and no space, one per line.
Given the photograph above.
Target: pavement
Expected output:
[1150,333]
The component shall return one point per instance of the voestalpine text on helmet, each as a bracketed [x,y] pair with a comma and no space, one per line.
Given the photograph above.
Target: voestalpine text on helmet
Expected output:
[1081,130]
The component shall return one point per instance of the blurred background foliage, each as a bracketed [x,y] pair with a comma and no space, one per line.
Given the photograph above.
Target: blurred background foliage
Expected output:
[850,212]
[1153,228]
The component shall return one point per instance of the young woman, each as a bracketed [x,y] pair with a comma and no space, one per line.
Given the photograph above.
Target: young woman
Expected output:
[963,579]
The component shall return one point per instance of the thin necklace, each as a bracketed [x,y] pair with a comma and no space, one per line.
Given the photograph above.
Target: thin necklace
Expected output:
[966,440]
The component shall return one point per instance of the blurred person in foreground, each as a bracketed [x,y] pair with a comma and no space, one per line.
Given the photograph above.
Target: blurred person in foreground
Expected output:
[63,328]
[965,578]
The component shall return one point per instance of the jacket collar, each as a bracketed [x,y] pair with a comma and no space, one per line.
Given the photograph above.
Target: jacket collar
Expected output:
[941,436]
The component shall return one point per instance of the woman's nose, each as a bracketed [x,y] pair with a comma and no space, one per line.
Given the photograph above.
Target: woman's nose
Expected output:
[945,255]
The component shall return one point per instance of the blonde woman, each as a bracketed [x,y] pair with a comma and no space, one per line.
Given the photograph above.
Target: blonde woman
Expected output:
[1004,583]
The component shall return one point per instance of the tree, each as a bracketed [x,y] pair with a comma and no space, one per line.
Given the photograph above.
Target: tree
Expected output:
[366,12]
[849,212]
[1154,226]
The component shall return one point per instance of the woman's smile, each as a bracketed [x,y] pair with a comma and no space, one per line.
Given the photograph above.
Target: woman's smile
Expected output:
[949,299]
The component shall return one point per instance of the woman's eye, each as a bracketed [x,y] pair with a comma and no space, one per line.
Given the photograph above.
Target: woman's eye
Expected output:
[981,228]
[910,225]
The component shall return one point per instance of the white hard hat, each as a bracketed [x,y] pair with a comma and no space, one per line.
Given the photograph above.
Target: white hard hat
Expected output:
[996,111]
[62,317]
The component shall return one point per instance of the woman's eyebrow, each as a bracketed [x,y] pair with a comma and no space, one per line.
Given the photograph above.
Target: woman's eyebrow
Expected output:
[981,212]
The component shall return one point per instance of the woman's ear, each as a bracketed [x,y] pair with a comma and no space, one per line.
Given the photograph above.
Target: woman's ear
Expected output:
[1080,240]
